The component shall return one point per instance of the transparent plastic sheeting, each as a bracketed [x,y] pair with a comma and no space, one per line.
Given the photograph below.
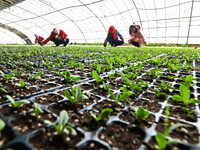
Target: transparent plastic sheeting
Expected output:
[87,21]
[8,37]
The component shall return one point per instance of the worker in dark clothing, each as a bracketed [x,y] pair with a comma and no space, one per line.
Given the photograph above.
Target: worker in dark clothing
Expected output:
[112,37]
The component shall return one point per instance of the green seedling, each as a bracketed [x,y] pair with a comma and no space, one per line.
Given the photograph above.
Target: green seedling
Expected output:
[69,78]
[10,76]
[2,89]
[36,76]
[154,73]
[2,125]
[160,94]
[165,86]
[21,84]
[18,103]
[106,87]
[188,111]
[144,83]
[63,120]
[98,68]
[75,96]
[81,66]
[185,96]
[104,114]
[172,77]
[97,77]
[118,97]
[112,75]
[187,81]
[174,67]
[132,75]
[38,110]
[141,114]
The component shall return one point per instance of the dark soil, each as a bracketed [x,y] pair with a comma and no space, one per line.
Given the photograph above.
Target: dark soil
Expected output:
[48,99]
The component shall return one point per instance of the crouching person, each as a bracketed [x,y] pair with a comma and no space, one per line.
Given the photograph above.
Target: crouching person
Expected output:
[136,36]
[39,39]
[58,37]
[112,37]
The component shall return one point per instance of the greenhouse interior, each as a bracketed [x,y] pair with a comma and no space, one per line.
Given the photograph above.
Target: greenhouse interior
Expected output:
[99,75]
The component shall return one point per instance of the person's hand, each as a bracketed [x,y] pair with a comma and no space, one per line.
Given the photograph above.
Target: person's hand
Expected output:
[104,44]
[146,44]
[42,44]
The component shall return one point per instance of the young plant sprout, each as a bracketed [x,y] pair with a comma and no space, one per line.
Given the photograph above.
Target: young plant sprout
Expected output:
[165,86]
[144,84]
[106,87]
[98,68]
[38,110]
[112,75]
[161,138]
[2,125]
[187,81]
[68,78]
[21,84]
[104,114]
[63,120]
[160,94]
[185,96]
[141,114]
[154,72]
[118,97]
[10,76]
[2,89]
[188,111]
[75,96]
[172,77]
[97,77]
[18,103]
[81,66]
[35,77]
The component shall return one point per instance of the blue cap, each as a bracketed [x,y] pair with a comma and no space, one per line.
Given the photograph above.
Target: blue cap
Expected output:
[133,22]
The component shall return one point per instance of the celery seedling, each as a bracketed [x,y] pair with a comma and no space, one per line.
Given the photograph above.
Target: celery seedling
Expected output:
[165,86]
[106,87]
[184,96]
[74,97]
[63,119]
[188,111]
[187,81]
[38,110]
[104,114]
[172,77]
[141,114]
[21,84]
[18,103]
[68,78]
[118,97]
[34,77]
[2,125]
[97,77]
[159,94]
[2,89]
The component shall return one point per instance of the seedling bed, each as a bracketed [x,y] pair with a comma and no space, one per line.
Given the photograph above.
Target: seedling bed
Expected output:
[121,80]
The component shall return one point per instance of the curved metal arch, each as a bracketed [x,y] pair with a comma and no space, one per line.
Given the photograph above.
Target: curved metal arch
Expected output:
[156,20]
[93,14]
[6,35]
[190,22]
[17,32]
[67,17]
[138,13]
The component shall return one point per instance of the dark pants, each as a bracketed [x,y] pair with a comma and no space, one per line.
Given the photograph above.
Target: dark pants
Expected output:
[57,42]
[116,43]
[136,44]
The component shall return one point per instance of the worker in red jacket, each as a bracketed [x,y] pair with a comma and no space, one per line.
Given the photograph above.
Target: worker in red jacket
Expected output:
[39,39]
[58,37]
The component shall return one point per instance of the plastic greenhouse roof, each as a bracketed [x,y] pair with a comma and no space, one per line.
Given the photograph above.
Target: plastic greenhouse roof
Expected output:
[87,21]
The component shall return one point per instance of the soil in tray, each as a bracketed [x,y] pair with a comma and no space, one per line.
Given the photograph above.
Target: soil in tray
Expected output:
[178,103]
[129,116]
[6,135]
[85,121]
[86,87]
[185,134]
[48,99]
[150,105]
[70,108]
[100,92]
[29,123]
[153,96]
[122,136]
[109,104]
[26,91]
[152,145]
[49,140]
[93,145]
[166,79]
[9,110]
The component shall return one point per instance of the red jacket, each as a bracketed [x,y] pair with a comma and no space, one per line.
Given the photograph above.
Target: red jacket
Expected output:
[63,35]
[39,38]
